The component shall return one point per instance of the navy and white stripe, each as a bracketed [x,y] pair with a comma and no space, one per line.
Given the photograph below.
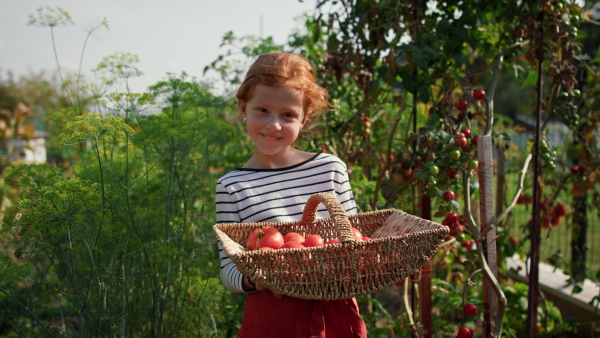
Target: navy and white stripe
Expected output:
[277,195]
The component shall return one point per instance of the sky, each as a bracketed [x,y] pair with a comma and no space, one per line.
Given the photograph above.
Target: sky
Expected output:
[168,36]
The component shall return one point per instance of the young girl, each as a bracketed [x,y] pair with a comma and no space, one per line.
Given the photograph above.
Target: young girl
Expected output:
[276,100]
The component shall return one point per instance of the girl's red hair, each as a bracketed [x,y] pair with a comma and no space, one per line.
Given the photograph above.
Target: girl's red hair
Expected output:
[278,69]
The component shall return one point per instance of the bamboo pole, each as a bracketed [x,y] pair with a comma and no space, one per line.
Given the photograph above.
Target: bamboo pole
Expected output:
[486,209]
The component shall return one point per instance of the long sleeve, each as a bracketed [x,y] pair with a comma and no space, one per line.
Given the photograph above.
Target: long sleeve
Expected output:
[231,277]
[344,191]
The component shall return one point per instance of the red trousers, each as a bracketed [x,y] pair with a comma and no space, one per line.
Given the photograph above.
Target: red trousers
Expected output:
[270,317]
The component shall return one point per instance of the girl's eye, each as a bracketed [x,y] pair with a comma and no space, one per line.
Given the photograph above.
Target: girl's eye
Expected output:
[289,115]
[262,110]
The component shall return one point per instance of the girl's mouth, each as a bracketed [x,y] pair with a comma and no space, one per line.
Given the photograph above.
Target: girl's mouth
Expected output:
[271,137]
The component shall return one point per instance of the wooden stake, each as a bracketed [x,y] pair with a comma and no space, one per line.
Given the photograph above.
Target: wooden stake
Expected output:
[486,208]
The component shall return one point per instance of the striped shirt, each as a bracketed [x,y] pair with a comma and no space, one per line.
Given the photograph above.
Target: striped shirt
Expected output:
[277,195]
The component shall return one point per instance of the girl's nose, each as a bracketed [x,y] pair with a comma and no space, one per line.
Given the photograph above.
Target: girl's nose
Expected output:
[274,123]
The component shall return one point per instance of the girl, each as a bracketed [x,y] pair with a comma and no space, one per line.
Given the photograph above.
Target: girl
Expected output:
[276,100]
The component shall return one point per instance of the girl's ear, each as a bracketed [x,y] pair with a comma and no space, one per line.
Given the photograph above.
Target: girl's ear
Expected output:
[242,108]
[305,118]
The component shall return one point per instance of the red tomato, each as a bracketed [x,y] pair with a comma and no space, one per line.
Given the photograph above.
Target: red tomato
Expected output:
[461,106]
[452,217]
[270,237]
[357,234]
[470,309]
[465,332]
[467,132]
[409,173]
[560,209]
[252,241]
[475,140]
[449,195]
[293,236]
[333,241]
[265,248]
[313,240]
[291,245]
[365,238]
[479,94]
[461,140]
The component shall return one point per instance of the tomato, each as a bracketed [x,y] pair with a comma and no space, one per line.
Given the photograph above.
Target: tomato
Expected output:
[473,164]
[467,244]
[554,217]
[333,241]
[461,140]
[518,32]
[456,230]
[265,248]
[293,236]
[313,240]
[475,140]
[366,238]
[513,241]
[454,154]
[461,237]
[270,237]
[434,170]
[479,94]
[357,234]
[452,174]
[291,245]
[252,241]
[449,195]
[461,106]
[452,217]
[409,173]
[560,210]
[467,132]
[470,309]
[465,332]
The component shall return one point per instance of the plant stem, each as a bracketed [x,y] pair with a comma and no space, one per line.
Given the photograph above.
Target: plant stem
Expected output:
[486,269]
[62,80]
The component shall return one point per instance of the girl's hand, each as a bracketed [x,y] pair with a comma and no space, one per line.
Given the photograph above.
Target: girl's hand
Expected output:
[249,285]
[260,287]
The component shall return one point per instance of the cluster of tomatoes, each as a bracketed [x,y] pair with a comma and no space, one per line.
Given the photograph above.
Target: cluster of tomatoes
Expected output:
[469,310]
[269,238]
[567,109]
[457,224]
[547,154]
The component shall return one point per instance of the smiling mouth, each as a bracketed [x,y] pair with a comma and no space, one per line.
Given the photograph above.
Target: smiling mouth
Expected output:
[270,137]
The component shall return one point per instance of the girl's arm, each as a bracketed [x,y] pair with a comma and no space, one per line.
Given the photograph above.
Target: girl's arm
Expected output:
[231,277]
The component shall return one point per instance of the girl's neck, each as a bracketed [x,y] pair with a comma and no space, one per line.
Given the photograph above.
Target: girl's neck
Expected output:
[292,157]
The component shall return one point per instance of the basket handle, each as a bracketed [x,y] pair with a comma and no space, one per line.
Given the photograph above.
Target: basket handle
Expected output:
[336,213]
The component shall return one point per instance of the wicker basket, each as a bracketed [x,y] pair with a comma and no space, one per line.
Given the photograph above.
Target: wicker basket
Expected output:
[336,271]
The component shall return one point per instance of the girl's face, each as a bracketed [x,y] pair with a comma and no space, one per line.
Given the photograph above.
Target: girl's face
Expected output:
[274,118]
